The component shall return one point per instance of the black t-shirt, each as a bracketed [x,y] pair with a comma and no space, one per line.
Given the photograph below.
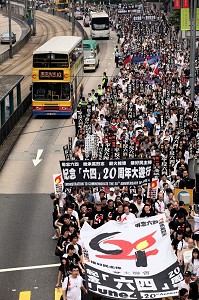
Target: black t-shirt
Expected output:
[90,207]
[108,213]
[62,241]
[144,214]
[98,218]
[117,216]
[83,215]
[177,226]
[55,208]
[73,260]
[133,208]
[175,243]
[64,270]
[175,211]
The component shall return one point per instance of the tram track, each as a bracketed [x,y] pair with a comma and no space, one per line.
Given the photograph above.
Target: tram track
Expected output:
[48,26]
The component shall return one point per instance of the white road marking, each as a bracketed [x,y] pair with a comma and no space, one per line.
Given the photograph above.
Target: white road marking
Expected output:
[29,268]
[14,290]
[38,160]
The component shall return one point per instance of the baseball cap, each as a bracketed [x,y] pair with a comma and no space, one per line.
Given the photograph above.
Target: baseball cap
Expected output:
[124,127]
[112,189]
[187,273]
[126,199]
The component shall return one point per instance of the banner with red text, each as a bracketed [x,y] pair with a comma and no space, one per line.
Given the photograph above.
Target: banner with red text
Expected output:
[131,260]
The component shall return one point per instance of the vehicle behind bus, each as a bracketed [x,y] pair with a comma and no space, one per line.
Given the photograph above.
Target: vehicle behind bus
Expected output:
[91,54]
[57,76]
[62,6]
[100,27]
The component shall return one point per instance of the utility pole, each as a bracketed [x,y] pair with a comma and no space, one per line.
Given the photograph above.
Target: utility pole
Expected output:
[193,47]
[33,18]
[73,18]
[10,30]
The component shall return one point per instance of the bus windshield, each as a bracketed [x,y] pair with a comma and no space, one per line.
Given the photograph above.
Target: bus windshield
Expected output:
[100,23]
[51,91]
[50,60]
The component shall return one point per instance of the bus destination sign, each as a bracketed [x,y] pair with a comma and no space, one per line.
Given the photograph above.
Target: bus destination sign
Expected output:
[51,74]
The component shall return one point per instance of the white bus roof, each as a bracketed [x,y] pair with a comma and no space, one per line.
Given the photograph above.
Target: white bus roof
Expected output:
[101,14]
[59,44]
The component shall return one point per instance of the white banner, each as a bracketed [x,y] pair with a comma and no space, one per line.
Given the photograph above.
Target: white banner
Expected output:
[58,183]
[152,191]
[134,259]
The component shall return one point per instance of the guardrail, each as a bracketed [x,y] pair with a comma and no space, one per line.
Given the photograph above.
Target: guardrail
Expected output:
[21,43]
[69,19]
[14,118]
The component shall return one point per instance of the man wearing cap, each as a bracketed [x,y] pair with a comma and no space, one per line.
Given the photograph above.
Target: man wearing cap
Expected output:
[165,180]
[132,207]
[97,218]
[111,194]
[124,135]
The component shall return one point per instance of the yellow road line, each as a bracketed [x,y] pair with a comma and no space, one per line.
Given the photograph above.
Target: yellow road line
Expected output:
[25,295]
[58,293]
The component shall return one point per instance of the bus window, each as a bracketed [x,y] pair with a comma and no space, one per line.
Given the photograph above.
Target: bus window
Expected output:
[51,91]
[50,61]
[75,54]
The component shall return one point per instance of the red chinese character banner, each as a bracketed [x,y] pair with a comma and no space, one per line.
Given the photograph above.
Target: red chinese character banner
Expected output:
[177,4]
[185,3]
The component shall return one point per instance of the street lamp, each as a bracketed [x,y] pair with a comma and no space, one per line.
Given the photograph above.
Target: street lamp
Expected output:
[10,30]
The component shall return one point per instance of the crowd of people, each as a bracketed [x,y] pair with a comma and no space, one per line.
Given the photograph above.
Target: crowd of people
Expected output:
[148,104]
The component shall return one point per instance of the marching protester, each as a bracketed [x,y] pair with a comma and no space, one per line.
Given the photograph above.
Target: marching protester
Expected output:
[146,114]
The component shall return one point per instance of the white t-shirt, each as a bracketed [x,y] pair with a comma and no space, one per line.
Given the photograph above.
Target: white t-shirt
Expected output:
[74,287]
[183,285]
[196,223]
[152,120]
[187,255]
[159,205]
[182,245]
[173,120]
[193,267]
[109,197]
[140,208]
[128,218]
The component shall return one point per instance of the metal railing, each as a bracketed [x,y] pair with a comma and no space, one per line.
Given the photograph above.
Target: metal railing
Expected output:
[14,118]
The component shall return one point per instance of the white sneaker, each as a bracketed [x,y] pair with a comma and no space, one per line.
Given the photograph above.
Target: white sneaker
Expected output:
[55,237]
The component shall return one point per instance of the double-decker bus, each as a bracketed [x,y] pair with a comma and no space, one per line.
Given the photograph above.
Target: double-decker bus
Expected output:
[57,76]
[91,54]
[62,5]
[100,27]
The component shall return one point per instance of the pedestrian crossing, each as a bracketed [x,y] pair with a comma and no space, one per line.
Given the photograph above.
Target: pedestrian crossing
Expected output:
[26,295]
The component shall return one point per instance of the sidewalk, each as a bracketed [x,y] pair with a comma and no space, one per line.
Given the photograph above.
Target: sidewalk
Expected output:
[4,27]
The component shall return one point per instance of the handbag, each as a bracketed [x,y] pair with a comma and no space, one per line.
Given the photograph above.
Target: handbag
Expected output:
[57,251]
